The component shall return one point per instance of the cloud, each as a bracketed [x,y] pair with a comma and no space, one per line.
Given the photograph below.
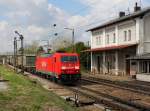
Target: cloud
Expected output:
[100,12]
[32,18]
[6,36]
[35,19]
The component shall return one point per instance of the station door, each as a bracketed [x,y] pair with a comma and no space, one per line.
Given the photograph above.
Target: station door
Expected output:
[100,64]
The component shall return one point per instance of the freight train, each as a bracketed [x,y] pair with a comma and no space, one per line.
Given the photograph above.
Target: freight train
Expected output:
[59,66]
[64,67]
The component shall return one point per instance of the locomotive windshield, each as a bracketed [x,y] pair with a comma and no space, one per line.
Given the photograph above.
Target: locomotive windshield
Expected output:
[69,58]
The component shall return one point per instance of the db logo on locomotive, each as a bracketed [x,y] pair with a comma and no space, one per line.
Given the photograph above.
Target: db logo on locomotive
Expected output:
[44,64]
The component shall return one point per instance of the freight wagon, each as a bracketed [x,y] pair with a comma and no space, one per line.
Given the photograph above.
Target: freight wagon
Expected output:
[59,66]
[28,62]
[2,59]
[10,59]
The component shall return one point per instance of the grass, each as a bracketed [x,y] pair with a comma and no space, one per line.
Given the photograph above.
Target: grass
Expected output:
[24,95]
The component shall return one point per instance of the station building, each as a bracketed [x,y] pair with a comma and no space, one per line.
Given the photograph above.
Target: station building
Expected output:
[115,42]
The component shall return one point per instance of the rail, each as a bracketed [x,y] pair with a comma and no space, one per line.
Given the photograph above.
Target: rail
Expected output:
[126,86]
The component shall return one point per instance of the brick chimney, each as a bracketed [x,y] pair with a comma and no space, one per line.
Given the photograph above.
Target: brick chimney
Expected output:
[137,8]
[122,14]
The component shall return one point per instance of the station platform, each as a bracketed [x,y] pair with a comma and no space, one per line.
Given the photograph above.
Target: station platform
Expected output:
[108,77]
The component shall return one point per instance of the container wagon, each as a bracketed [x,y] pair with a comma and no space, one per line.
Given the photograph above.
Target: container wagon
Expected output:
[28,62]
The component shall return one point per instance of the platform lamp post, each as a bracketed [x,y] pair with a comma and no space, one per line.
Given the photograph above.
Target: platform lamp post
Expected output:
[73,47]
[76,96]
[22,50]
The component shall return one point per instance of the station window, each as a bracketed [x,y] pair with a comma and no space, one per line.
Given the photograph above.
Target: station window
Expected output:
[69,58]
[114,38]
[96,40]
[125,35]
[133,63]
[107,39]
[100,40]
[129,35]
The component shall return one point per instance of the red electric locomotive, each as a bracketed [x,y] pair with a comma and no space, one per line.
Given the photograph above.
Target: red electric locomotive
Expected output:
[59,66]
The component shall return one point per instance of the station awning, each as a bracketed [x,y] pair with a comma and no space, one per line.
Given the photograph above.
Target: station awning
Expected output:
[115,47]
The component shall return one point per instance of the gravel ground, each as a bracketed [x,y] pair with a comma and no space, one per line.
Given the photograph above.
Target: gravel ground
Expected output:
[124,94]
[108,77]
[63,92]
[3,86]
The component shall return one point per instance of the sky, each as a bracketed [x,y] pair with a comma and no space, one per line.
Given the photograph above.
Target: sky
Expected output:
[34,19]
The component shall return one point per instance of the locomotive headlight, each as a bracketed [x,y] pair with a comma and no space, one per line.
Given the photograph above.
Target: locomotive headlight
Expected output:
[63,67]
[76,67]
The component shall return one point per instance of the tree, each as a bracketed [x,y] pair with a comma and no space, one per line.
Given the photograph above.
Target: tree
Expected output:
[40,50]
[80,46]
[62,44]
[84,56]
[31,48]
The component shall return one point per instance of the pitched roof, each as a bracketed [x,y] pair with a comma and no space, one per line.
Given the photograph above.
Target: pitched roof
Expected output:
[140,13]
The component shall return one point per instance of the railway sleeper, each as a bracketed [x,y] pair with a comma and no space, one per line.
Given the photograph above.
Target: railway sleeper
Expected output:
[3,80]
[122,84]
[119,85]
[106,101]
[126,102]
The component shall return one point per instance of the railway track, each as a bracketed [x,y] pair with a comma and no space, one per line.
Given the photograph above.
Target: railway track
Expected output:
[140,83]
[137,88]
[110,101]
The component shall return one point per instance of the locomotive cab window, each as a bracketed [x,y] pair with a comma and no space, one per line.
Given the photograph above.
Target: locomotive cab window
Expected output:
[69,58]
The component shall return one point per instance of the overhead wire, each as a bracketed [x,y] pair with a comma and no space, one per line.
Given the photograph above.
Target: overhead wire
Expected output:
[97,20]
[77,12]
[101,20]
[82,9]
